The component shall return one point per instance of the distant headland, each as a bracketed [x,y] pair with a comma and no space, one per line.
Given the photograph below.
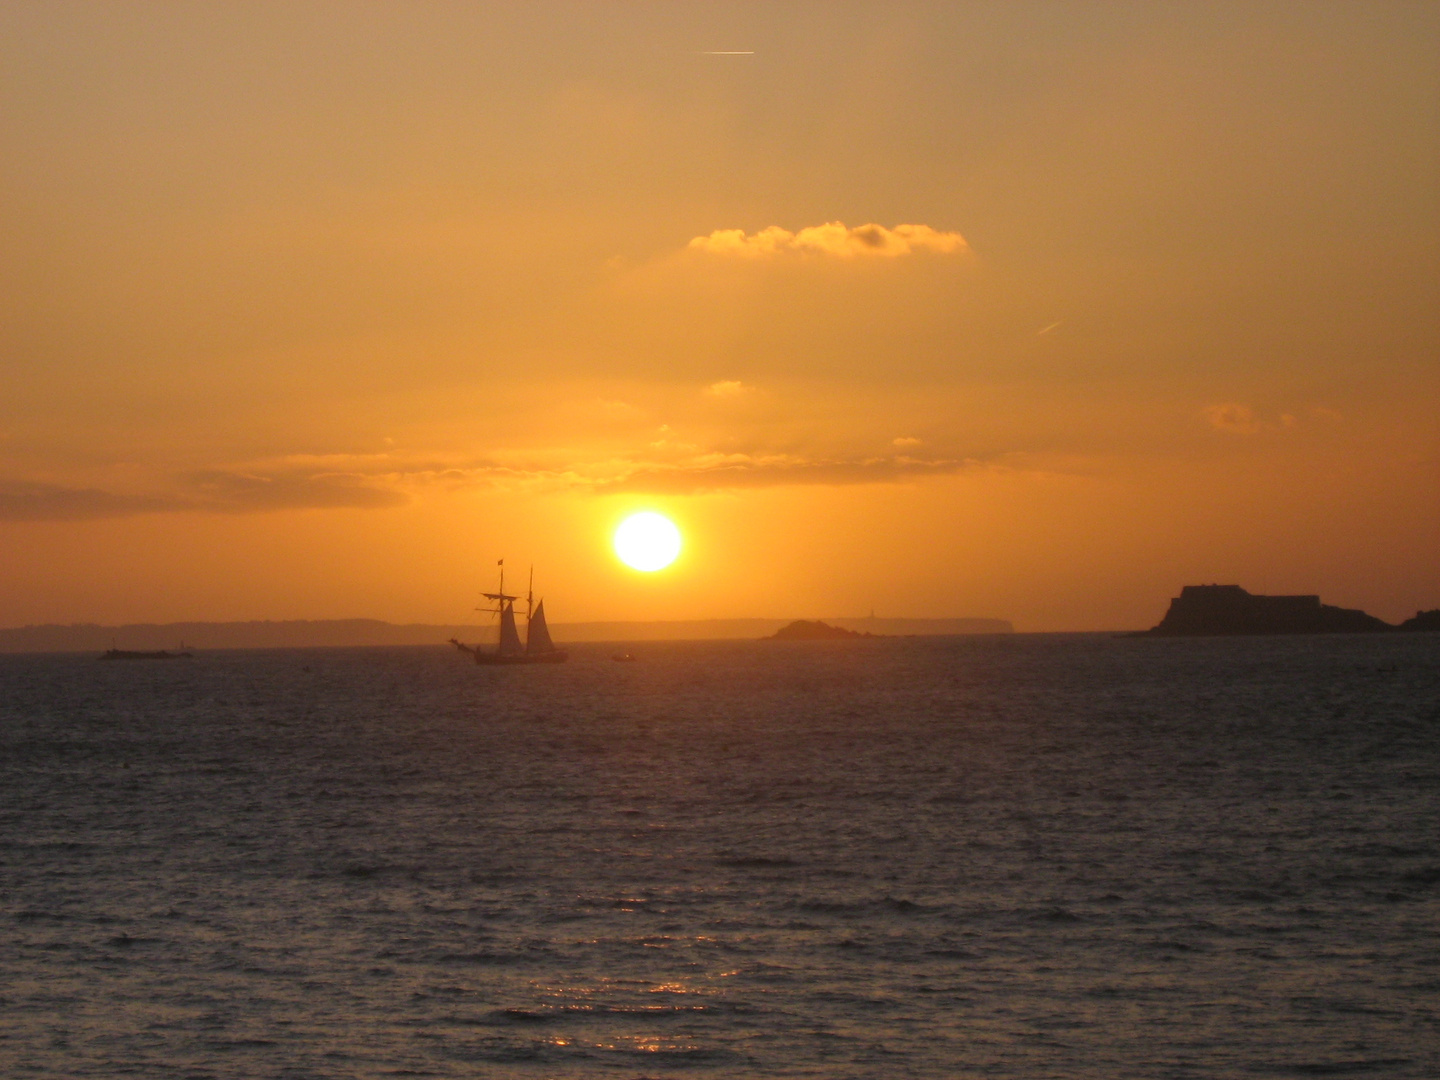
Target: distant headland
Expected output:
[1216,610]
[343,633]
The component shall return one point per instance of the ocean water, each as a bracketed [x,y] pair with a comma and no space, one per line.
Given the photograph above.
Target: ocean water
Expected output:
[1027,856]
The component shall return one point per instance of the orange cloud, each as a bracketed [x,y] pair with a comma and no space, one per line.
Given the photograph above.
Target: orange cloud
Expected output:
[726,388]
[669,468]
[735,471]
[29,501]
[211,491]
[1232,417]
[833,238]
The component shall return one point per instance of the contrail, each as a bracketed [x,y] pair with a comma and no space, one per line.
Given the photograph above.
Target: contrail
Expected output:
[1047,329]
[728,52]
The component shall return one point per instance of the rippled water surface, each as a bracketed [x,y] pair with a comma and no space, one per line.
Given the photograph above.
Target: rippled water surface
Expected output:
[990,857]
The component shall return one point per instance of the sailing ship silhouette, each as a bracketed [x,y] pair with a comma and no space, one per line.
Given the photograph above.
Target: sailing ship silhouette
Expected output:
[537,647]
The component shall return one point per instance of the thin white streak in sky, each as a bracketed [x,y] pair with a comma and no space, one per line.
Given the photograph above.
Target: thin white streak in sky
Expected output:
[1047,329]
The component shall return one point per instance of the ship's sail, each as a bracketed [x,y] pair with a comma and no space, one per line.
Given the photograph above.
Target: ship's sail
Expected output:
[509,638]
[537,639]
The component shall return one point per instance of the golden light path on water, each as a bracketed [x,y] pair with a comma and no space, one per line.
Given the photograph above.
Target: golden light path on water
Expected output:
[647,541]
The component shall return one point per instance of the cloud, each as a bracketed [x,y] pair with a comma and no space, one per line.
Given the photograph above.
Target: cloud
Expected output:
[743,471]
[726,388]
[833,238]
[216,491]
[1232,417]
[1238,419]
[905,440]
[678,469]
[26,501]
[314,482]
[615,408]
[239,492]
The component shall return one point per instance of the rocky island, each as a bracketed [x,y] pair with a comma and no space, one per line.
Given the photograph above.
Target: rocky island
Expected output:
[1423,620]
[1212,610]
[806,630]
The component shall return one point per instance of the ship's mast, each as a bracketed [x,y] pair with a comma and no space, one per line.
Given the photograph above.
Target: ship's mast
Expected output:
[500,597]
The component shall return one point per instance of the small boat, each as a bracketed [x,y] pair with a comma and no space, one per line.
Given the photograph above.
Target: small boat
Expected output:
[624,657]
[537,647]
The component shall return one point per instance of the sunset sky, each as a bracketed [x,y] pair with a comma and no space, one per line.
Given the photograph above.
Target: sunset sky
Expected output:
[1029,310]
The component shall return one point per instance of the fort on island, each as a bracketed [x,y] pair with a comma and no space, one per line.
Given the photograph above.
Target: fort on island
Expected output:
[1210,610]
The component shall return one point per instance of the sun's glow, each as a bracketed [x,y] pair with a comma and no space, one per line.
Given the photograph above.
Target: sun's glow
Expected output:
[647,541]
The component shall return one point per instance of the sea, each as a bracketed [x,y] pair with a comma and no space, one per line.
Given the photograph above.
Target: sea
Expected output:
[1029,856]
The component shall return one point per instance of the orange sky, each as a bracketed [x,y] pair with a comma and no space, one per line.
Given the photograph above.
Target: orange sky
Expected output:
[1036,311]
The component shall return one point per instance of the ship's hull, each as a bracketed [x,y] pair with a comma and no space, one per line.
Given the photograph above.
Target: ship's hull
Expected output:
[557,657]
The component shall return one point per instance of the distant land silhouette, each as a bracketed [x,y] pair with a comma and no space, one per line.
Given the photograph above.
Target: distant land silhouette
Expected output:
[333,633]
[807,630]
[1213,610]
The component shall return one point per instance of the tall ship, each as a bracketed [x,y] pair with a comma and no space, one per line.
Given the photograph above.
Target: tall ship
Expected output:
[537,648]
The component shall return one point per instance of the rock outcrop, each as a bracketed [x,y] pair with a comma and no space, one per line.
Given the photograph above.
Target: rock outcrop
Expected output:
[1210,610]
[1423,620]
[806,630]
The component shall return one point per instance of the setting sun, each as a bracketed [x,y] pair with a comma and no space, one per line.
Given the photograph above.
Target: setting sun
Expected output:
[647,541]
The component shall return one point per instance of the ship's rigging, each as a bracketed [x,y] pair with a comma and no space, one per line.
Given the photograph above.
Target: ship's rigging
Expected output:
[537,647]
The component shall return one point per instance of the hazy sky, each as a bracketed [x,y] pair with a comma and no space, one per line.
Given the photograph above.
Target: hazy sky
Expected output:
[1037,311]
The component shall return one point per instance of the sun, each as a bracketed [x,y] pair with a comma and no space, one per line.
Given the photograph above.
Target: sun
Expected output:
[647,541]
